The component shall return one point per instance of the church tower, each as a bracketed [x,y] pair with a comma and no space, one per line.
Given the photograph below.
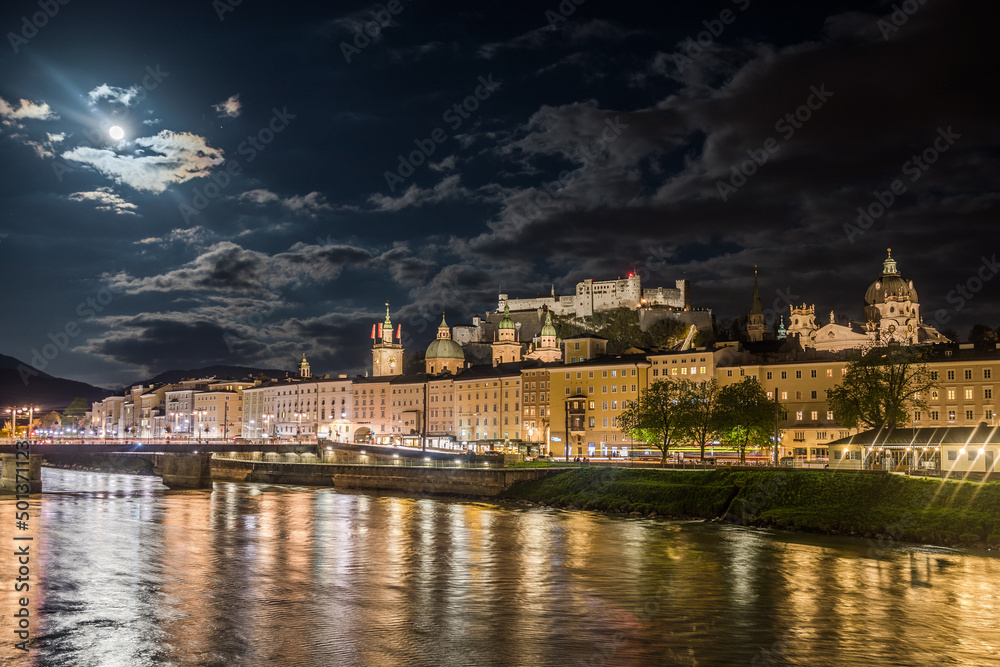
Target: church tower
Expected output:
[756,326]
[444,355]
[304,371]
[506,348]
[387,356]
[548,349]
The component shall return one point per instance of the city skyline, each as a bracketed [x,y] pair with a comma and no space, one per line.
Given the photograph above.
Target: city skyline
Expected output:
[259,205]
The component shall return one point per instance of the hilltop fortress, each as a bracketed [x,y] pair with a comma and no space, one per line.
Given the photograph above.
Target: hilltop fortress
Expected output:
[597,295]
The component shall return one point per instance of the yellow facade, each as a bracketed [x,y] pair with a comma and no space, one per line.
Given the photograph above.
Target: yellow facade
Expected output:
[605,385]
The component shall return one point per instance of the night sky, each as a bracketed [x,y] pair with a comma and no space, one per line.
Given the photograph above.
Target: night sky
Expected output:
[258,207]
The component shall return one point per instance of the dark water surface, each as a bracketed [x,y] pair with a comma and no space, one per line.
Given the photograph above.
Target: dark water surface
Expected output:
[125,573]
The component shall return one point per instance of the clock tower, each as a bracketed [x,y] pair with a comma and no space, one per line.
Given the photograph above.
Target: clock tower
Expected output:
[387,356]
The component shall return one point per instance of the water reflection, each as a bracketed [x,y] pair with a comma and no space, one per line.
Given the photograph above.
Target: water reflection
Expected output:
[128,573]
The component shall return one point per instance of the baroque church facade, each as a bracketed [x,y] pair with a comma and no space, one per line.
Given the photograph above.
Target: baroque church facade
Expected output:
[892,315]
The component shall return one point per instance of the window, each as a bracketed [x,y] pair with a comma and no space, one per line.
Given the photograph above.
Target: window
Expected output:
[987,373]
[829,372]
[951,415]
[952,455]
[798,375]
[814,415]
[591,422]
[769,374]
[829,415]
[784,395]
[934,394]
[968,373]
[812,373]
[951,394]
[812,394]
[591,405]
[972,455]
[798,395]
[934,415]
[968,415]
[968,393]
[934,375]
[798,416]
[988,392]
[784,375]
[916,415]
[951,375]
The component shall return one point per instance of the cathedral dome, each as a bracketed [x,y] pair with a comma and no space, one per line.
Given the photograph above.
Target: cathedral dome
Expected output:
[444,348]
[889,284]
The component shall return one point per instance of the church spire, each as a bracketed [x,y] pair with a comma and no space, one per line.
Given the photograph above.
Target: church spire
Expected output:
[755,307]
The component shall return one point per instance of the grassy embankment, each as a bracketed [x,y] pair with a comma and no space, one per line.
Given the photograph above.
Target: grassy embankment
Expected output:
[868,505]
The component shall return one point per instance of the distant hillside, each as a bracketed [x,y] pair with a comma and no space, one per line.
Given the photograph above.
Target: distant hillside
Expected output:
[221,372]
[42,390]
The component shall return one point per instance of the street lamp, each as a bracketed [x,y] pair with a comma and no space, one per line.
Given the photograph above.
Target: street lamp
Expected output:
[201,414]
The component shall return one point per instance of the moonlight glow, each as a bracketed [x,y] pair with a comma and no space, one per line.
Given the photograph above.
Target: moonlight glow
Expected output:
[116,133]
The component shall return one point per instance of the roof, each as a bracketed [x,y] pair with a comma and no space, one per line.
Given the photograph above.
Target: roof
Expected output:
[611,360]
[943,435]
[581,336]
[444,348]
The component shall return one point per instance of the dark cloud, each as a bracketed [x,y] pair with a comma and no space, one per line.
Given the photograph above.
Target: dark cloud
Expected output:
[601,152]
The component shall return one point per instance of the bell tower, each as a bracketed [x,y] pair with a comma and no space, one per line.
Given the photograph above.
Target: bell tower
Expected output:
[756,325]
[387,355]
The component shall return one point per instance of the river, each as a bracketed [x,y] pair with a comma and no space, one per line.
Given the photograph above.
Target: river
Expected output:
[126,573]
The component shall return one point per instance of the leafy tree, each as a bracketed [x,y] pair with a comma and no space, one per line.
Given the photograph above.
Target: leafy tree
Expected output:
[49,420]
[950,334]
[659,417]
[881,387]
[702,422]
[982,335]
[77,408]
[746,415]
[667,333]
[621,327]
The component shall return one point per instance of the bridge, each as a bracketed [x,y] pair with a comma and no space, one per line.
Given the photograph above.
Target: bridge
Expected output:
[183,465]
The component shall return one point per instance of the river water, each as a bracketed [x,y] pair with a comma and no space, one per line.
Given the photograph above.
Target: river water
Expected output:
[126,573]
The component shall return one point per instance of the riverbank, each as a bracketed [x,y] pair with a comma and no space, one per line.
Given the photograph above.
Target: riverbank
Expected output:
[124,465]
[880,506]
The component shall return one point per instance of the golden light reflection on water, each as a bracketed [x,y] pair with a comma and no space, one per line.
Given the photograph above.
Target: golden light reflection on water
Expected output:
[131,574]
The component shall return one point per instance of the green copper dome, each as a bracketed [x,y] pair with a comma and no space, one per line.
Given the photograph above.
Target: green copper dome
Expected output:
[444,348]
[505,321]
[547,328]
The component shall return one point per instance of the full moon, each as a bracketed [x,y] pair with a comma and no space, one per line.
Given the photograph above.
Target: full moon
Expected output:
[116,133]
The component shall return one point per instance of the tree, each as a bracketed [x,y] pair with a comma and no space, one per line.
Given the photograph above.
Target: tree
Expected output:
[667,333]
[881,387]
[982,336]
[621,327]
[746,415]
[704,410]
[659,417]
